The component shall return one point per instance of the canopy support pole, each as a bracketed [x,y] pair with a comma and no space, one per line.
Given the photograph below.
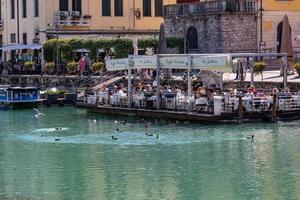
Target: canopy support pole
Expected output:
[221,81]
[158,83]
[129,93]
[285,71]
[252,71]
[189,75]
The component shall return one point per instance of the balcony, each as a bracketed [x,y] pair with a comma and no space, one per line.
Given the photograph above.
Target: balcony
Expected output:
[1,24]
[210,7]
[73,18]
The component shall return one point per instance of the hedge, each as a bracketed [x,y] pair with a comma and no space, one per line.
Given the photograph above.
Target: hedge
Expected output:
[122,47]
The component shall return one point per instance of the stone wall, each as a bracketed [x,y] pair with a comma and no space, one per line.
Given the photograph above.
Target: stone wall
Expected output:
[218,33]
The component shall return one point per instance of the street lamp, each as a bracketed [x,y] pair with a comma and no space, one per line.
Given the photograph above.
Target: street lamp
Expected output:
[261,25]
[57,47]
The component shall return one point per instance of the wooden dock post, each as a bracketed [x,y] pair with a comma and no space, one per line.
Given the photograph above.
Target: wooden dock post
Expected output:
[240,109]
[274,108]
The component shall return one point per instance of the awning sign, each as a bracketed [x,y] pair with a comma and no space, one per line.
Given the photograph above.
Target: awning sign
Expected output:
[117,64]
[214,63]
[144,62]
[172,62]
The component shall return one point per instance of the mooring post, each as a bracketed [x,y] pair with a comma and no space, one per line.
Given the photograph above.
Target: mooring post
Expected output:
[274,108]
[240,109]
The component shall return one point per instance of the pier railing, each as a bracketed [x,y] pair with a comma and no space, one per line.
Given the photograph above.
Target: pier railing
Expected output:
[210,7]
[185,103]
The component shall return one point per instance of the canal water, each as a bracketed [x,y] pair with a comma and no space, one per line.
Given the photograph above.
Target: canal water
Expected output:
[188,161]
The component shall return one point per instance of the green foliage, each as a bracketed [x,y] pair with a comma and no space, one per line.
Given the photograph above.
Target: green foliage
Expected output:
[68,47]
[172,42]
[97,66]
[72,66]
[297,67]
[259,67]
[50,66]
[51,92]
[28,65]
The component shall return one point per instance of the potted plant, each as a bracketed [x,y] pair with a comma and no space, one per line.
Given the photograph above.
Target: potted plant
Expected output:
[259,68]
[97,66]
[28,65]
[72,67]
[297,68]
[49,67]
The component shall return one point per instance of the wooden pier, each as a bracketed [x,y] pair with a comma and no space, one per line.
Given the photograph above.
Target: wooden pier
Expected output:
[199,117]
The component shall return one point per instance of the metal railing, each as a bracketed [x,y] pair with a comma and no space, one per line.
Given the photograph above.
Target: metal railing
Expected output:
[210,7]
[190,104]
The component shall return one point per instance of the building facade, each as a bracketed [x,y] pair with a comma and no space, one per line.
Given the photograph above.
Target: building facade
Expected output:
[34,21]
[273,13]
[214,26]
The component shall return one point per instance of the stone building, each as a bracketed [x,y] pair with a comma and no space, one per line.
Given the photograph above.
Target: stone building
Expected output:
[214,26]
[273,13]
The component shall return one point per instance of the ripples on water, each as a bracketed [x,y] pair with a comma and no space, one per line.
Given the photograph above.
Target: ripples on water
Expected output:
[188,161]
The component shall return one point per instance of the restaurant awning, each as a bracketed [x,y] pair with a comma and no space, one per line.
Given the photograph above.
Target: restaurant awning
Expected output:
[21,46]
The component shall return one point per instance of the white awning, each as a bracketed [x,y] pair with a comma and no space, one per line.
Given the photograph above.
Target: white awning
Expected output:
[21,46]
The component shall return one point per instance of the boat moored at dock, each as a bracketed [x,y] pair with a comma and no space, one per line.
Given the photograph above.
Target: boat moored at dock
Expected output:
[19,97]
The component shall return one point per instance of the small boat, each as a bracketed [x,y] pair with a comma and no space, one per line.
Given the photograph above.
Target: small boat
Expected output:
[19,97]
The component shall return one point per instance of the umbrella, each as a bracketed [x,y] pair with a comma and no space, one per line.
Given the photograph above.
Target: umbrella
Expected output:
[286,37]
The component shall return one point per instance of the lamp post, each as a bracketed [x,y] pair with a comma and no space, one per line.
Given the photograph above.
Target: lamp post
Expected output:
[261,25]
[57,47]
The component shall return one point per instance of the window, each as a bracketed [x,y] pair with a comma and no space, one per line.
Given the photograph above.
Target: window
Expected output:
[106,8]
[12,9]
[36,8]
[158,8]
[24,38]
[76,5]
[146,8]
[13,38]
[118,7]
[24,4]
[63,5]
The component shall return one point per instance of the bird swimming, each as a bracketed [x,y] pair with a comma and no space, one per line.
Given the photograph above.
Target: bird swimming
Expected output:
[114,138]
[38,114]
[251,137]
[56,139]
[118,130]
[124,122]
[157,136]
[58,128]
[149,134]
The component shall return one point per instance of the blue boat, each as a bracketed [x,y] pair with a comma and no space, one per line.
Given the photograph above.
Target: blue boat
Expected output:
[19,97]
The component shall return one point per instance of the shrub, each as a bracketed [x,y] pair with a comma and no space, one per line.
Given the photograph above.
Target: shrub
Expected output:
[28,65]
[49,67]
[297,67]
[259,68]
[97,66]
[72,66]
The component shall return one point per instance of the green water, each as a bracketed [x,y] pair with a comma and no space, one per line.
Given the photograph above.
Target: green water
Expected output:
[188,161]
